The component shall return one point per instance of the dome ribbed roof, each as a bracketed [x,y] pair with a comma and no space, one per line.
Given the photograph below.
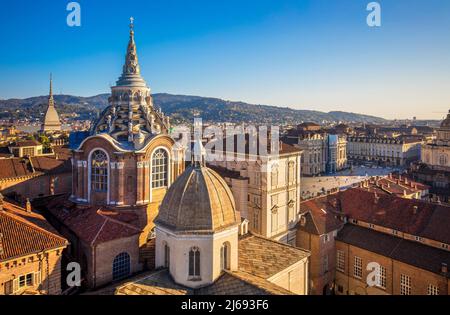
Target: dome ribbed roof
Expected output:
[198,201]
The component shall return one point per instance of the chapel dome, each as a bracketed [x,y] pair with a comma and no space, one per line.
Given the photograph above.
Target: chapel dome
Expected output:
[446,122]
[199,201]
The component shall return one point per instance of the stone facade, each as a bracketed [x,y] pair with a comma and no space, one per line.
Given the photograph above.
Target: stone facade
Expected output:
[322,152]
[434,167]
[44,271]
[272,204]
[30,252]
[422,282]
[383,151]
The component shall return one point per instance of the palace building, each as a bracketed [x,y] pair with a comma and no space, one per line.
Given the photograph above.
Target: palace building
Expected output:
[434,167]
[121,170]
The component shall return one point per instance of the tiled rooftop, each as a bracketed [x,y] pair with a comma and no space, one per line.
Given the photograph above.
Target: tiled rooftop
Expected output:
[265,258]
[21,234]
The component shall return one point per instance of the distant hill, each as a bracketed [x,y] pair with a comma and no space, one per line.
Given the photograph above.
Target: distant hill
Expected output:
[182,108]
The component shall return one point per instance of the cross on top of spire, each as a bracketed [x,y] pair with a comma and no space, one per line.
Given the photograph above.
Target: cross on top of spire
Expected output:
[131,23]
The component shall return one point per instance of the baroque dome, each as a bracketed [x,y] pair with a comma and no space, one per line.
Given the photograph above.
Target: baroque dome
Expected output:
[446,122]
[199,201]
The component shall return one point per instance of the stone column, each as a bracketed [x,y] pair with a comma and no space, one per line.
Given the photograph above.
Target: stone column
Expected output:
[120,181]
[140,180]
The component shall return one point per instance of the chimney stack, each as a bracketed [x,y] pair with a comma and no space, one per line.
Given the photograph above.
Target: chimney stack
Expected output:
[1,202]
[28,205]
[444,268]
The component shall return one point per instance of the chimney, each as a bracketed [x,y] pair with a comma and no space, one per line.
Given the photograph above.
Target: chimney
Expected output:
[28,205]
[444,268]
[404,192]
[376,197]
[406,181]
[243,228]
[1,244]
[303,220]
[1,202]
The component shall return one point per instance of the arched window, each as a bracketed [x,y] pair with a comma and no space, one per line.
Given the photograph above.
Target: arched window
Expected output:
[194,263]
[121,266]
[160,168]
[225,256]
[99,171]
[166,256]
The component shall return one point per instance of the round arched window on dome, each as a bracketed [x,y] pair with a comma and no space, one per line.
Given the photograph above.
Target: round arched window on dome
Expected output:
[160,168]
[99,171]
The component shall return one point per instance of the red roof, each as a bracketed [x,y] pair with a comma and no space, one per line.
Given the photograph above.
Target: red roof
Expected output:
[21,235]
[93,225]
[15,167]
[410,216]
[321,217]
[48,164]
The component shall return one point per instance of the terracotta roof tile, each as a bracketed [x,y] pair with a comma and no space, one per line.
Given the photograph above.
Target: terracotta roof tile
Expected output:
[410,216]
[48,164]
[20,236]
[321,217]
[93,225]
[265,258]
[242,283]
[15,167]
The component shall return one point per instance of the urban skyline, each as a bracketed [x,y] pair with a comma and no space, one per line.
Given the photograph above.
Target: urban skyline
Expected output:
[322,56]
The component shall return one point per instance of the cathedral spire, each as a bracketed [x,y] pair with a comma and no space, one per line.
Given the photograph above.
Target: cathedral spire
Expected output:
[131,73]
[51,120]
[51,101]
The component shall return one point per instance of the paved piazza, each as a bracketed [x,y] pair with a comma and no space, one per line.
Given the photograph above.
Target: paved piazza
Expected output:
[312,186]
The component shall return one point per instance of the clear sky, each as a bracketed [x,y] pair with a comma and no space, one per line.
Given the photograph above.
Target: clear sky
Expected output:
[305,54]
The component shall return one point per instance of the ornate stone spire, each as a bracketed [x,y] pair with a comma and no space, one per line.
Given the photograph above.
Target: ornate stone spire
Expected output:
[51,120]
[131,73]
[130,117]
[51,101]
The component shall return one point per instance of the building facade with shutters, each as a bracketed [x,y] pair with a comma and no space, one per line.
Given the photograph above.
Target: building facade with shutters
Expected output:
[30,253]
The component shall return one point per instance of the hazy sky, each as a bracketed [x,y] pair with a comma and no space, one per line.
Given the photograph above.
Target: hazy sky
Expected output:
[317,54]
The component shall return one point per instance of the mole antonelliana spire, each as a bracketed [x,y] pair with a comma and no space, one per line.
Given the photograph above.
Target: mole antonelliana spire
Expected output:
[51,120]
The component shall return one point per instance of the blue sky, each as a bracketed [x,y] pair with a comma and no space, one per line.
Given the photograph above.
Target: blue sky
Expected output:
[305,54]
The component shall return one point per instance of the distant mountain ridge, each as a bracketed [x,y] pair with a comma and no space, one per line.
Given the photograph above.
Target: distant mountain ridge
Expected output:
[183,109]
